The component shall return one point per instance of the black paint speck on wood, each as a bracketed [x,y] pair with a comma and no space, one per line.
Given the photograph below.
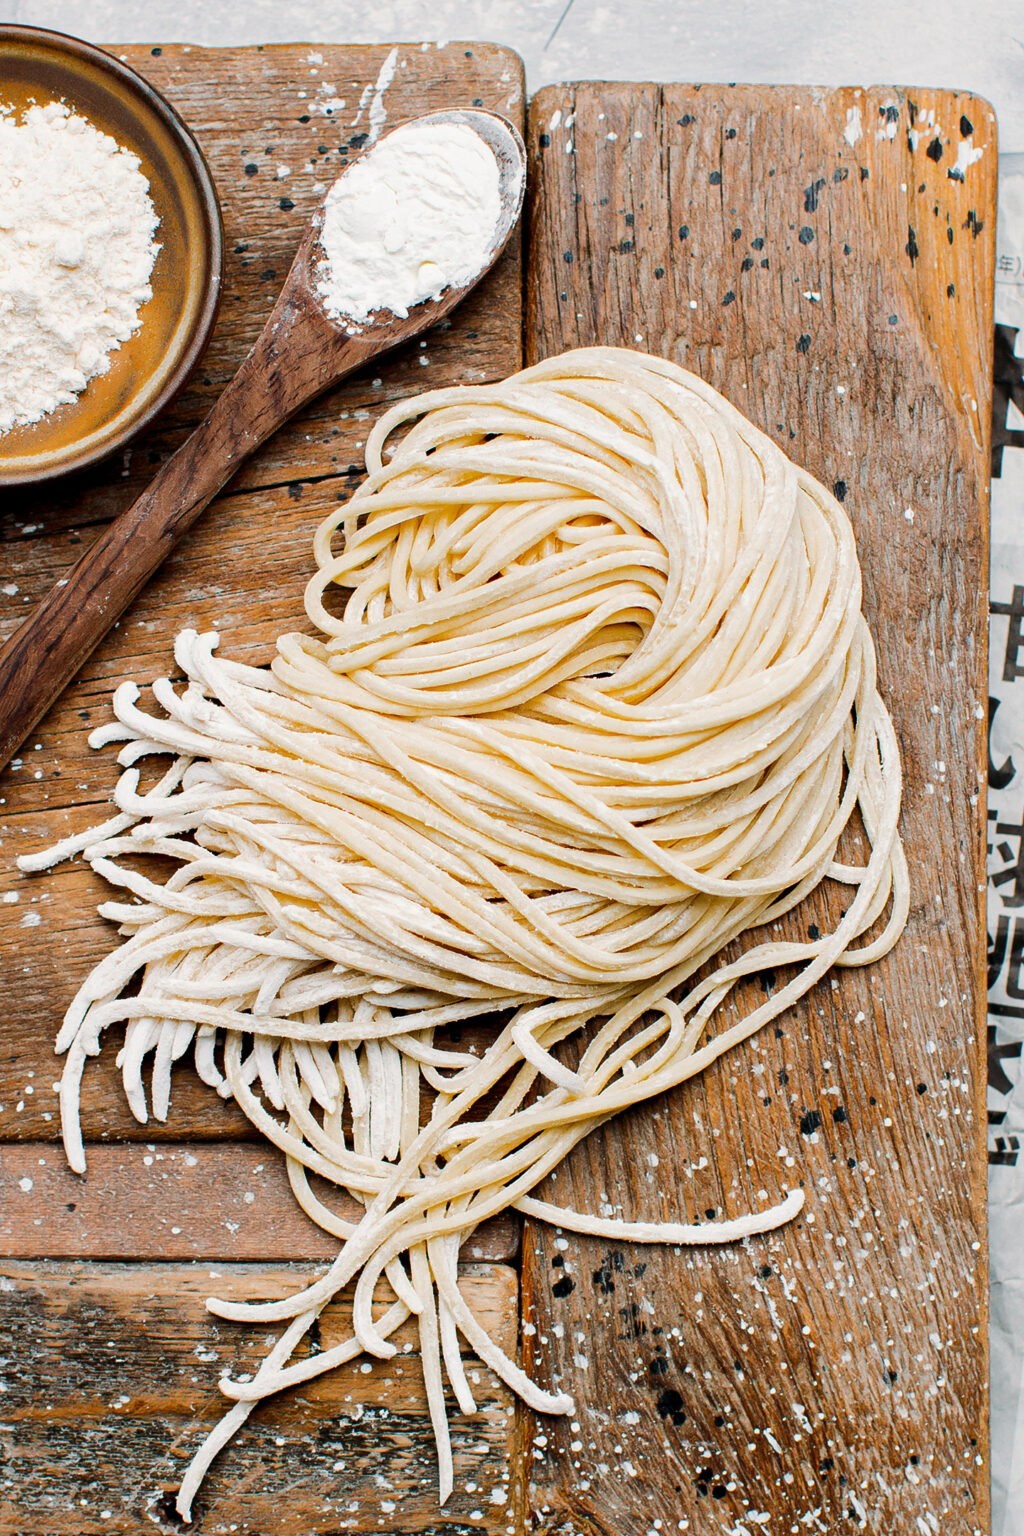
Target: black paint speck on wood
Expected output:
[746,263]
[625,247]
[911,246]
[966,127]
[757,243]
[922,1088]
[934,150]
[563,1286]
[806,235]
[730,133]
[811,195]
[251,169]
[715,179]
[804,343]
[730,298]
[686,119]
[839,492]
[810,1120]
[567,256]
[659,271]
[841,173]
[603,1277]
[684,231]
[670,1406]
[286,205]
[951,290]
[974,224]
[839,1115]
[544,141]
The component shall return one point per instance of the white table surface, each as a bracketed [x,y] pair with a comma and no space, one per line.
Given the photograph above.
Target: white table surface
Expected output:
[975,45]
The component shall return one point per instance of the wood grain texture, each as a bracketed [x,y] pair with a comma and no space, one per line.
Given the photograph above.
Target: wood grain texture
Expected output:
[243,567]
[112,1377]
[812,256]
[110,1385]
[222,1200]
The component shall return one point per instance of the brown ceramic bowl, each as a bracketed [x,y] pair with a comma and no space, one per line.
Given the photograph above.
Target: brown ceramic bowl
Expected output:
[149,368]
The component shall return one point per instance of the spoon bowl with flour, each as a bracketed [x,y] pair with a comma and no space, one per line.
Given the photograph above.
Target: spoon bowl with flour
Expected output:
[401,237]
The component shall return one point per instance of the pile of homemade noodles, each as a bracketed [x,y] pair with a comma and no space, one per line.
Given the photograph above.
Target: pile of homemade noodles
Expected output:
[600,699]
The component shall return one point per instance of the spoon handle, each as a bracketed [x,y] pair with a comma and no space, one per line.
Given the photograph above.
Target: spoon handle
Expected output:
[43,655]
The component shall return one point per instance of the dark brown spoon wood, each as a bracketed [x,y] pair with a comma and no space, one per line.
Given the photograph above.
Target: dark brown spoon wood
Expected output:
[299,353]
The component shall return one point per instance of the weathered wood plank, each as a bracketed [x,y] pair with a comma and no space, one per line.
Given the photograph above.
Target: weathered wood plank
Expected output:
[110,1385]
[838,289]
[243,568]
[223,1200]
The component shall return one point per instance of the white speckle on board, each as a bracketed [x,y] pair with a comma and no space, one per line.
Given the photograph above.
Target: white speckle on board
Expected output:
[378,113]
[329,102]
[966,156]
[25,1185]
[853,131]
[891,121]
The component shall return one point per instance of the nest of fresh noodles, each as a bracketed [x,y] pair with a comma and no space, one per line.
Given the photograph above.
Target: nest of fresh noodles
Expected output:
[599,700]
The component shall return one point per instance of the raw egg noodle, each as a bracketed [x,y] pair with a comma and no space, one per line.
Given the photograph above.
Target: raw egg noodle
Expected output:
[600,700]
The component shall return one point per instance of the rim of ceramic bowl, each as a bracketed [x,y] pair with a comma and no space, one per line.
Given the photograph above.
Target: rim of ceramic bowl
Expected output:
[213,229]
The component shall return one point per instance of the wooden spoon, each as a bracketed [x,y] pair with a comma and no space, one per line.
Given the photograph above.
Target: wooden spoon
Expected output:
[299,353]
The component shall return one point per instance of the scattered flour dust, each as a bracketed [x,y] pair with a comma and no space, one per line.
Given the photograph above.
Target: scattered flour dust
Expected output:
[415,215]
[76,254]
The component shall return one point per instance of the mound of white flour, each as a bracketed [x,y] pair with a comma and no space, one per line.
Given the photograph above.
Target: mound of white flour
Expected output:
[417,214]
[76,253]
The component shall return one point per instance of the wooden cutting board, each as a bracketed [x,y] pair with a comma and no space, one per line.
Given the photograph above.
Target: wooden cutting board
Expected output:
[825,259]
[113,1375]
[837,284]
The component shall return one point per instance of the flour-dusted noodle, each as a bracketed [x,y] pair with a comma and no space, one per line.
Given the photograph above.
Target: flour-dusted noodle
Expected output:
[599,701]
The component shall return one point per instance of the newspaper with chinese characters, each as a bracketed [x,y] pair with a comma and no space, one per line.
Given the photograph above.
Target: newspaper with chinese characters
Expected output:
[1006,866]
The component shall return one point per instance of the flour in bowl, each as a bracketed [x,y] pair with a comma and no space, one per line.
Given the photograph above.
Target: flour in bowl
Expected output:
[416,215]
[76,253]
